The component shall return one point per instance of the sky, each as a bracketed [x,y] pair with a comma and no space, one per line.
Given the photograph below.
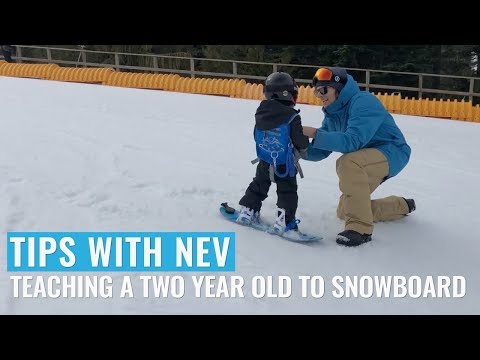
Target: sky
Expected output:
[86,158]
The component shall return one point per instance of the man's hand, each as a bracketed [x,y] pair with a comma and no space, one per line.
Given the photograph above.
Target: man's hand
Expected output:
[309,131]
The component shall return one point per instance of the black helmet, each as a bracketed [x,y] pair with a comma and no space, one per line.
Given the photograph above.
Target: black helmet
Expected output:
[281,86]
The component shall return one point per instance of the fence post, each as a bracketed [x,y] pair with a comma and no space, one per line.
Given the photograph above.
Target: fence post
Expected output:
[275,67]
[49,55]
[117,62]
[192,68]
[234,69]
[420,86]
[367,80]
[19,54]
[470,96]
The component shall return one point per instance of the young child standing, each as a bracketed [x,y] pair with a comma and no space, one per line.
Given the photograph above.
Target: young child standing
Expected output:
[280,143]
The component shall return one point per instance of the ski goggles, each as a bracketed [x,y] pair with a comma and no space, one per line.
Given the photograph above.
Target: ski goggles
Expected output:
[322,74]
[320,90]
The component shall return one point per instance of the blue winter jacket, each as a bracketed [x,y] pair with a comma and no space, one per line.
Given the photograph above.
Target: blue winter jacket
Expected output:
[358,120]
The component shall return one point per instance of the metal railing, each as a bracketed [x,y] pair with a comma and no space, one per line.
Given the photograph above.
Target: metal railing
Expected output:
[191,66]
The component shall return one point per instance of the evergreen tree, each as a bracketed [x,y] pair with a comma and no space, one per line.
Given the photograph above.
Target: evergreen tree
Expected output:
[124,59]
[254,53]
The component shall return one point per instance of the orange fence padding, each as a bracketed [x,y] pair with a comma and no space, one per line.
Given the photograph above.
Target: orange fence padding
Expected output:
[236,88]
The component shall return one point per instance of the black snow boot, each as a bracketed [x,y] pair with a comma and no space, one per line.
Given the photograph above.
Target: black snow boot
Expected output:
[352,238]
[411,205]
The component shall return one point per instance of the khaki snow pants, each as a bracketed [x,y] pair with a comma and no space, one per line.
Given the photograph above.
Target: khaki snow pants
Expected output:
[360,173]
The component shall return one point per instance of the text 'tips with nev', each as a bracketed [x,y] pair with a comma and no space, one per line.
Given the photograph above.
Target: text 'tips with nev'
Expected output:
[83,251]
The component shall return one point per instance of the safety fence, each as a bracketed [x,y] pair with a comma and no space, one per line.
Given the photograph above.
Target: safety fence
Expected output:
[236,88]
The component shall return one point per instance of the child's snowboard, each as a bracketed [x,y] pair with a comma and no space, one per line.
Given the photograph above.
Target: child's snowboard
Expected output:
[231,214]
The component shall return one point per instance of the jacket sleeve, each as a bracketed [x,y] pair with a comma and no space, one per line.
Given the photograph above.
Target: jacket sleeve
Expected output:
[365,119]
[299,140]
[315,154]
